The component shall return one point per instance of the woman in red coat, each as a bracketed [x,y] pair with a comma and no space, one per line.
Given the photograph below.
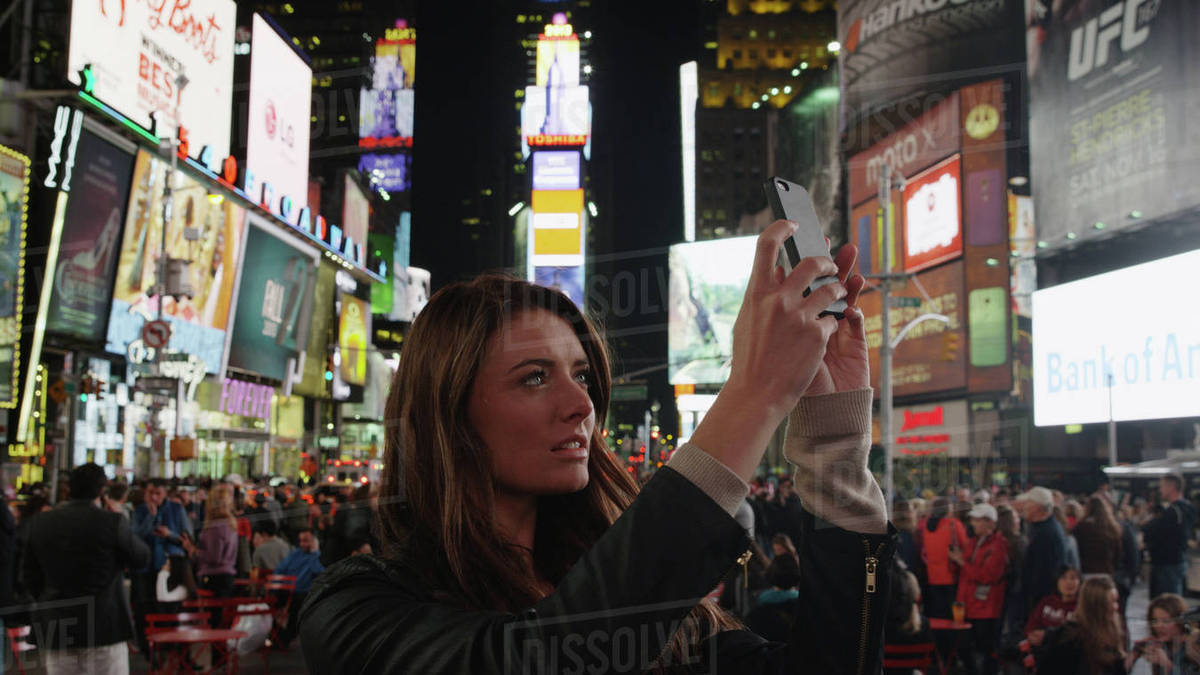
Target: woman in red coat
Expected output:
[981,586]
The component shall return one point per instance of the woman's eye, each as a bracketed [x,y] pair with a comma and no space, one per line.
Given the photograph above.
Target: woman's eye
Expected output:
[584,377]
[535,378]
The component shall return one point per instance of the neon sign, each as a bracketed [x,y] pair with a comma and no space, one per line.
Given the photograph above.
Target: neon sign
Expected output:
[550,140]
[68,122]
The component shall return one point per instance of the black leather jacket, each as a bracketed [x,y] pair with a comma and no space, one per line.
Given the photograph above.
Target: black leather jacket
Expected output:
[615,610]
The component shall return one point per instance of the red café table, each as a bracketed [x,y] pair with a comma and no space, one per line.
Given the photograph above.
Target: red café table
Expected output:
[227,658]
[949,625]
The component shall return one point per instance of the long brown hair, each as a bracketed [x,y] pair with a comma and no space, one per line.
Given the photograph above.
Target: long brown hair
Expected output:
[218,508]
[437,489]
[1097,625]
[1099,512]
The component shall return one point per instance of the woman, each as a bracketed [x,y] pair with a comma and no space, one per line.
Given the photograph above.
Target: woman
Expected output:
[1009,524]
[1099,537]
[1072,548]
[1091,642]
[781,544]
[905,521]
[942,534]
[1052,611]
[524,539]
[1166,648]
[216,549]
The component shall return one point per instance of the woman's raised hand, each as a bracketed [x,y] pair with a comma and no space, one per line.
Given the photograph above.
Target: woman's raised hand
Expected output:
[779,338]
[779,347]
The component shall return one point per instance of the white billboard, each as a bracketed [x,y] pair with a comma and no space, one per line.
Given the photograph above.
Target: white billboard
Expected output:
[277,126]
[137,50]
[1135,325]
[555,115]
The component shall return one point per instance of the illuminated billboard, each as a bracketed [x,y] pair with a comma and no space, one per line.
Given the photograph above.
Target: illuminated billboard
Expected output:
[556,170]
[274,301]
[1081,339]
[199,321]
[569,280]
[137,50]
[555,116]
[556,228]
[390,172]
[708,280]
[87,257]
[356,211]
[278,120]
[557,61]
[354,333]
[14,192]
[386,108]
[933,216]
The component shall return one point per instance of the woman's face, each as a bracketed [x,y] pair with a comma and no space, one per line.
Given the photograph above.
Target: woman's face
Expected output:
[1068,584]
[529,405]
[778,549]
[1163,625]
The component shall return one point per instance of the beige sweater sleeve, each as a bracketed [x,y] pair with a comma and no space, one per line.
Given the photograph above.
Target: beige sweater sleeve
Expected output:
[710,475]
[828,438]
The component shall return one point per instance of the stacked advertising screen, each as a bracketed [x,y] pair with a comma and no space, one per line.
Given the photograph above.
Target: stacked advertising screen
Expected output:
[91,238]
[386,108]
[14,193]
[387,171]
[1112,141]
[318,351]
[277,125]
[555,124]
[141,52]
[932,217]
[353,341]
[274,302]
[1093,364]
[708,281]
[206,266]
[356,211]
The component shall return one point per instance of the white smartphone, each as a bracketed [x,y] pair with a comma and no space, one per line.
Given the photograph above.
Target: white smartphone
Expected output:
[790,201]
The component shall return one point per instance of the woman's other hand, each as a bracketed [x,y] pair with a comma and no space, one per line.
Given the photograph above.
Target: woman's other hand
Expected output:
[845,365]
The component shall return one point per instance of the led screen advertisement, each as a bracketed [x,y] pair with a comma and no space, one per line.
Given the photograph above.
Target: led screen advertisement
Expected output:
[14,195]
[890,50]
[568,280]
[1081,339]
[354,335]
[278,119]
[390,172]
[383,247]
[274,301]
[556,170]
[137,51]
[198,322]
[1114,88]
[356,211]
[386,108]
[555,116]
[557,61]
[312,383]
[83,278]
[708,281]
[932,216]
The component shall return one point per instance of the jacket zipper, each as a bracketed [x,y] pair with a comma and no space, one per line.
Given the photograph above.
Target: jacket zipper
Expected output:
[872,569]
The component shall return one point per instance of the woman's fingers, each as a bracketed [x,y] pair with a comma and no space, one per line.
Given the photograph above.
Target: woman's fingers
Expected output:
[845,259]
[854,286]
[767,252]
[808,271]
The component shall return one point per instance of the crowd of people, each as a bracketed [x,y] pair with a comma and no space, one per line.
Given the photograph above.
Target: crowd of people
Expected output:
[85,571]
[1041,578]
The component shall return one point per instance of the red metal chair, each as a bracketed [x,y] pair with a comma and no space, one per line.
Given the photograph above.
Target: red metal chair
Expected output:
[921,656]
[162,623]
[278,592]
[18,640]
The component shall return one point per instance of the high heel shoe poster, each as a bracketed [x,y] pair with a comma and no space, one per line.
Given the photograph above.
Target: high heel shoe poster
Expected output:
[91,231]
[199,317]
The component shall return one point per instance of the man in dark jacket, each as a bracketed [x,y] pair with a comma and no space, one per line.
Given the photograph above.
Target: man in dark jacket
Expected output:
[77,553]
[1047,546]
[1167,538]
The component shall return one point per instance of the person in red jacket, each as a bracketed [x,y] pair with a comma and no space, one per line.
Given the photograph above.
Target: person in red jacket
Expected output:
[942,532]
[981,586]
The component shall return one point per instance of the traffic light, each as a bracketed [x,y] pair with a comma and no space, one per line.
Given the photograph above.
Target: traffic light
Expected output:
[949,346]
